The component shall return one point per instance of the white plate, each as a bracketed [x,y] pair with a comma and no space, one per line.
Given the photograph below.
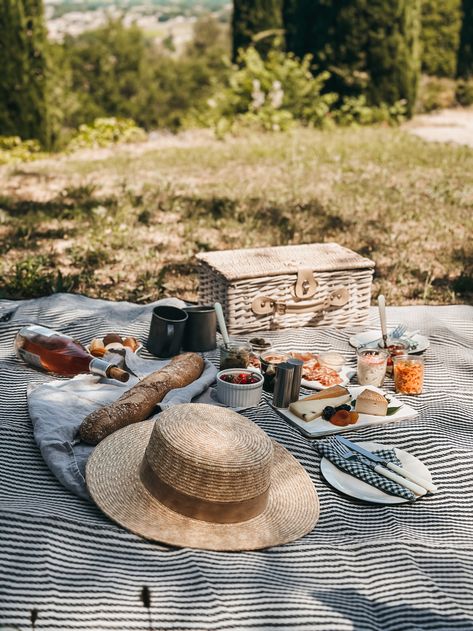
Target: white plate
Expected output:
[350,485]
[367,336]
[139,348]
[346,373]
[319,427]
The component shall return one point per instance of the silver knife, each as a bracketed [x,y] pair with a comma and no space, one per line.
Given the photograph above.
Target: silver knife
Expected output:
[389,465]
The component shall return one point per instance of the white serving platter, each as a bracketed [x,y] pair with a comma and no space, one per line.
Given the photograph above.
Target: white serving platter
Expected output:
[319,427]
[350,485]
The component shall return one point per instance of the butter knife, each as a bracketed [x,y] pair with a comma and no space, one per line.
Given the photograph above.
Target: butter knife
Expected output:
[426,484]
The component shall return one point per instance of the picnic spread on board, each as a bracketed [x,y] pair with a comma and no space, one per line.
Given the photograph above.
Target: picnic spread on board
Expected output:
[169,426]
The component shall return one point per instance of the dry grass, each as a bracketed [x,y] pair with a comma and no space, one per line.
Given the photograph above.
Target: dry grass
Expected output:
[125,223]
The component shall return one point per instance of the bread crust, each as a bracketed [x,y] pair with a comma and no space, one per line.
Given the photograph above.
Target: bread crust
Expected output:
[139,402]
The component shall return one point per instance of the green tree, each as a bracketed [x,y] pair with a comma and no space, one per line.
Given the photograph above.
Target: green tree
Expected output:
[441,22]
[393,57]
[109,71]
[465,53]
[256,21]
[116,71]
[23,84]
[369,46]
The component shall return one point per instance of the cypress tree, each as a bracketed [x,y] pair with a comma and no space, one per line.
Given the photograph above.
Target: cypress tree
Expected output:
[441,23]
[252,18]
[334,33]
[465,53]
[369,46]
[23,85]
[393,58]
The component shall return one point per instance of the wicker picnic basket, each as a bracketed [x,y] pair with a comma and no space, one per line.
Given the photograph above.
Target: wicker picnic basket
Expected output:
[319,284]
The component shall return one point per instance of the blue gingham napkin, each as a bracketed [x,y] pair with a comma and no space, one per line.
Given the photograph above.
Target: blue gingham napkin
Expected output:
[358,469]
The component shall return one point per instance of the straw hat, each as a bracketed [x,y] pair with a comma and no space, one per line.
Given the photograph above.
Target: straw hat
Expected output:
[204,477]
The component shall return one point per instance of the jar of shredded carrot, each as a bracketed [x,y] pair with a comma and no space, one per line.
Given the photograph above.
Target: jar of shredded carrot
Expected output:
[408,374]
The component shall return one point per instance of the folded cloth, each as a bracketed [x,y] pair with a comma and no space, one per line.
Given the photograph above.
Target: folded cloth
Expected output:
[358,469]
[58,407]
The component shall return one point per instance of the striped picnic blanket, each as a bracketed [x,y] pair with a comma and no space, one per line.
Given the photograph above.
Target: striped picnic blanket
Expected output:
[364,567]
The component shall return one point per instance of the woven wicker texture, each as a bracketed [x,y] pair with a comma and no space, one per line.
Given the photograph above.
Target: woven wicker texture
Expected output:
[236,300]
[210,453]
[236,277]
[249,263]
[114,482]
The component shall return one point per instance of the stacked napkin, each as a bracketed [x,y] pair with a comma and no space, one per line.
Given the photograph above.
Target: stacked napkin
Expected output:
[357,468]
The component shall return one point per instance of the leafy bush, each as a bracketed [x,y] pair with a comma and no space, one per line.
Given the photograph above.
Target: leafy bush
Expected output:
[106,131]
[355,110]
[464,92]
[271,93]
[13,149]
[435,93]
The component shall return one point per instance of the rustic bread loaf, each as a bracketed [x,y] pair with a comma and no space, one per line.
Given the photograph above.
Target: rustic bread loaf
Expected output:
[138,403]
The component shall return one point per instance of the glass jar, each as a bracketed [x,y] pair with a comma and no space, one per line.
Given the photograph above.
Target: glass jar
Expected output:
[269,360]
[371,366]
[235,355]
[408,374]
[395,347]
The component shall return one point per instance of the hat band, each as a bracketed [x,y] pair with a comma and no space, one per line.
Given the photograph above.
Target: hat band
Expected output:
[197,508]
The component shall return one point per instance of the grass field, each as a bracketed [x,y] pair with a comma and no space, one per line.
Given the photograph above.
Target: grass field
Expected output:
[125,223]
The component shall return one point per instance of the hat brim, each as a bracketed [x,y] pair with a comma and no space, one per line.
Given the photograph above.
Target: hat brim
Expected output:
[114,483]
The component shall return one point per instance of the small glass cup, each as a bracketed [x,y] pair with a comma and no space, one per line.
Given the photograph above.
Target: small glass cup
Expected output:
[408,374]
[395,347]
[235,355]
[371,366]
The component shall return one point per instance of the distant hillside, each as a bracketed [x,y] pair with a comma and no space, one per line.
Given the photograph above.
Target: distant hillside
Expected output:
[159,18]
[171,8]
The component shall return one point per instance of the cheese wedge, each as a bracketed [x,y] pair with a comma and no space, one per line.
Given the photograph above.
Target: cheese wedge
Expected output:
[372,403]
[328,393]
[309,409]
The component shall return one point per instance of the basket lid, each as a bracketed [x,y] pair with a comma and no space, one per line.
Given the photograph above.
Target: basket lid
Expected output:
[287,259]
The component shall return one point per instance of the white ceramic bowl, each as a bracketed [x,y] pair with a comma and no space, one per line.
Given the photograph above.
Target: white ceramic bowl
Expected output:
[239,395]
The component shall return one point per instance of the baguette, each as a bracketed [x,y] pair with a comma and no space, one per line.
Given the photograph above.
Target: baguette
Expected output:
[139,402]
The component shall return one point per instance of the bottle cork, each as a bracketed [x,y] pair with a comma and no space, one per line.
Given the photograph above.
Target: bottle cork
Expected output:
[117,373]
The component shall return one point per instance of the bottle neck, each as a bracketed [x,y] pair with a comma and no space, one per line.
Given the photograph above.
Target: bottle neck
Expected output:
[105,369]
[99,366]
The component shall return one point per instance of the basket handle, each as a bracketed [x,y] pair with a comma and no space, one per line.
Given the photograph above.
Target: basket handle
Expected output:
[264,305]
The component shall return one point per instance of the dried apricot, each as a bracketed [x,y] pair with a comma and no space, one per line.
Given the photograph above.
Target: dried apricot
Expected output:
[341,418]
[354,417]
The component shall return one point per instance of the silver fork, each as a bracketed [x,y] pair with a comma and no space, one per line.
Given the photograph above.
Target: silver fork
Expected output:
[399,331]
[340,449]
[396,333]
[346,453]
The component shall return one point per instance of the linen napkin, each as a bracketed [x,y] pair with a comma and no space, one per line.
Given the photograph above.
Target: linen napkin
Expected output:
[58,407]
[358,469]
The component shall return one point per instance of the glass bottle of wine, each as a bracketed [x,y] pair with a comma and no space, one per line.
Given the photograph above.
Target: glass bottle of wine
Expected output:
[60,354]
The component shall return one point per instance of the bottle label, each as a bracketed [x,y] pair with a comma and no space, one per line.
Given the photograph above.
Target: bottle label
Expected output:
[30,358]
